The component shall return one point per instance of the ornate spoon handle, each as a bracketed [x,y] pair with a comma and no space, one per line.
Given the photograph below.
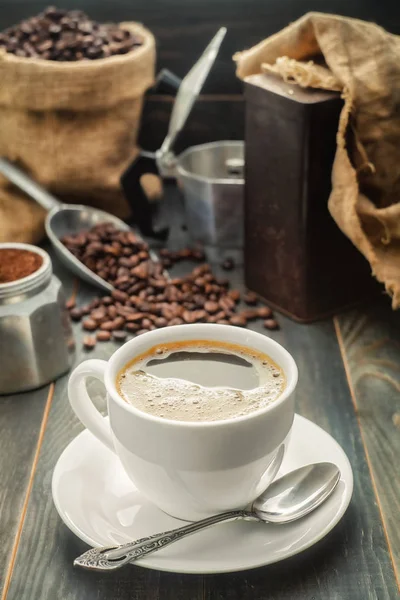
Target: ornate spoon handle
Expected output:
[113,557]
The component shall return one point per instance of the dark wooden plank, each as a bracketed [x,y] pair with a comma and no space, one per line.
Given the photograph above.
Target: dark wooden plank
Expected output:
[20,421]
[371,347]
[183,29]
[352,563]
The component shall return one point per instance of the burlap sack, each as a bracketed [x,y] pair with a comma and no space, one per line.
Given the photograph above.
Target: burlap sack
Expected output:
[363,61]
[73,128]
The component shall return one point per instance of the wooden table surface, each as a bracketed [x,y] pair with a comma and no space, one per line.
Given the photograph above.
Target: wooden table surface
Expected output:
[349,385]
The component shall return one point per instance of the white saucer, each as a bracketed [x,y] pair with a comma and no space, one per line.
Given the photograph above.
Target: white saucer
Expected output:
[98,502]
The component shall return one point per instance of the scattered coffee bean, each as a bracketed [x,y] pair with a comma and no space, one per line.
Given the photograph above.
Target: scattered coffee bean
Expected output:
[144,297]
[271,324]
[176,321]
[89,342]
[89,324]
[211,307]
[119,296]
[250,298]
[264,312]
[238,320]
[107,326]
[62,35]
[98,314]
[118,322]
[234,294]
[75,314]
[228,264]
[103,336]
[161,322]
[119,335]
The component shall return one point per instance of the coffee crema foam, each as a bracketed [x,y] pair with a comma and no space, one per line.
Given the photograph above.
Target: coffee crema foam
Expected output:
[182,399]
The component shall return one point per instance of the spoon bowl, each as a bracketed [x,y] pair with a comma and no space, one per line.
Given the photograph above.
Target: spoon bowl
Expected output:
[310,486]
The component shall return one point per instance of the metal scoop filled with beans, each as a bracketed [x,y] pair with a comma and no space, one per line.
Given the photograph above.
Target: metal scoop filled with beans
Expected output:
[63,220]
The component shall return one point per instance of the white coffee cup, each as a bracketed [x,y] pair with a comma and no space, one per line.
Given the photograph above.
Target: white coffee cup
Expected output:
[190,469]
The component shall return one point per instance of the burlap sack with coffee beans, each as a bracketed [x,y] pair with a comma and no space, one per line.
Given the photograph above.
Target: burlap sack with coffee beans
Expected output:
[361,60]
[73,127]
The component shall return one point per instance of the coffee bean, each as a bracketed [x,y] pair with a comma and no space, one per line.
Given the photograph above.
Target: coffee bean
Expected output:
[161,322]
[75,314]
[89,342]
[125,262]
[146,324]
[98,314]
[176,321]
[135,317]
[226,303]
[250,298]
[118,295]
[103,336]
[238,320]
[199,315]
[107,326]
[228,264]
[70,303]
[249,314]
[188,317]
[132,327]
[118,322]
[264,312]
[141,331]
[234,294]
[119,335]
[211,307]
[112,311]
[120,281]
[271,324]
[89,324]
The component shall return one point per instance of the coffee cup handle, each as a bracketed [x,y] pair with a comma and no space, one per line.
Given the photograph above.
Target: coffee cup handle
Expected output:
[82,404]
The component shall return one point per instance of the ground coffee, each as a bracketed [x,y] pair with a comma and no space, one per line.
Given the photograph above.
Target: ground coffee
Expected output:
[16,264]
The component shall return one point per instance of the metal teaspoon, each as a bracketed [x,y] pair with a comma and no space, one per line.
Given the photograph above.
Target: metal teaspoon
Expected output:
[287,499]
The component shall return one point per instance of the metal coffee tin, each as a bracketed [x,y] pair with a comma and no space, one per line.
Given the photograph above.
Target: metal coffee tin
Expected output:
[36,341]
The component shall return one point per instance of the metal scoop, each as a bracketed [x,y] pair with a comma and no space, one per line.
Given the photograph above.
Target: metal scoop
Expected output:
[63,219]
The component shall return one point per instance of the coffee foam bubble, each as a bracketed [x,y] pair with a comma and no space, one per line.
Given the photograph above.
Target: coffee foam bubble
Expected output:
[182,400]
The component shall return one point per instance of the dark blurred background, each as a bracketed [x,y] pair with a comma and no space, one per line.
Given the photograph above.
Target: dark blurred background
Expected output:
[184,27]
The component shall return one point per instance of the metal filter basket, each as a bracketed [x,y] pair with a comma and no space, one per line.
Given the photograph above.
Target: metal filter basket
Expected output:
[211,178]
